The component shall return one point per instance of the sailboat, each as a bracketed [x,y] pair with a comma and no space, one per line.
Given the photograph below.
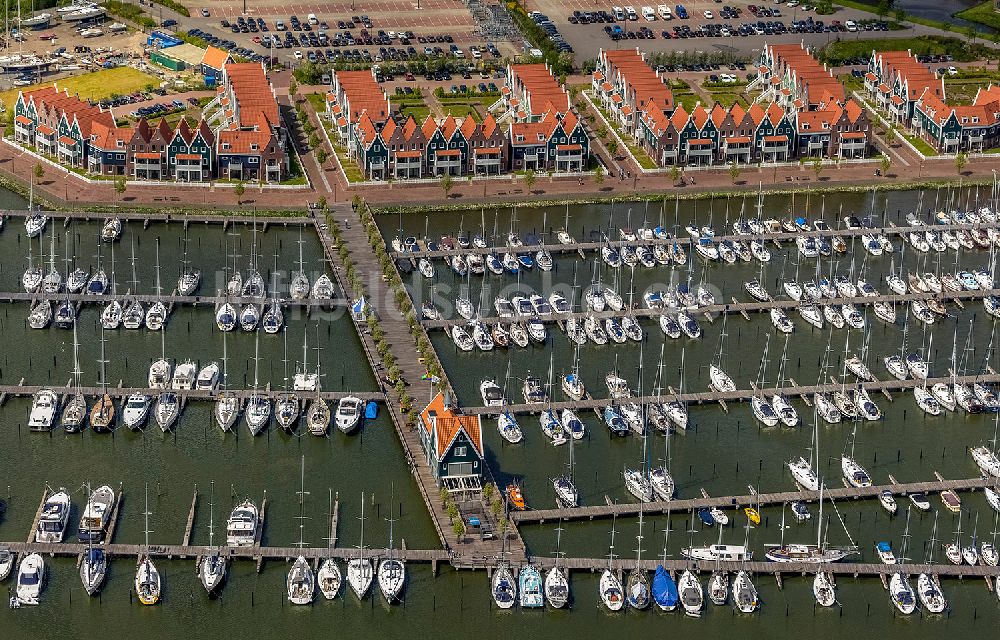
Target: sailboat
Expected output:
[928,585]
[300,583]
[102,415]
[899,585]
[359,570]
[610,586]
[212,567]
[147,578]
[692,597]
[227,406]
[556,580]
[286,408]
[189,279]
[75,412]
[824,589]
[664,589]
[391,571]
[258,411]
[637,584]
[298,289]
[807,553]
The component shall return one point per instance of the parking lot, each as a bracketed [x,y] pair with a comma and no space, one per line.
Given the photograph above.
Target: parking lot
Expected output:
[723,26]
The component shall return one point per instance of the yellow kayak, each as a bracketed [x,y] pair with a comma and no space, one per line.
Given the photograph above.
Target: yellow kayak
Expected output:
[752,515]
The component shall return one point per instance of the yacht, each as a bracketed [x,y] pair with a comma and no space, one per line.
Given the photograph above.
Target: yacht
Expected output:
[318,417]
[720,380]
[30,579]
[227,408]
[300,583]
[93,569]
[136,410]
[258,413]
[323,288]
[156,316]
[986,460]
[241,528]
[54,517]
[96,515]
[931,596]
[329,578]
[360,575]
[286,411]
[349,413]
[884,551]
[166,410]
[503,587]
[208,377]
[744,592]
[902,594]
[225,317]
[804,553]
[44,406]
[611,591]
[638,485]
[718,552]
[249,317]
[926,401]
[133,315]
[824,589]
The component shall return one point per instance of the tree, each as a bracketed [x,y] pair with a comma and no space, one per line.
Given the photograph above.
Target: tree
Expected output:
[817,164]
[39,171]
[239,190]
[120,186]
[321,203]
[313,141]
[734,171]
[321,155]
[900,14]
[459,528]
[529,179]
[885,164]
[675,173]
[883,9]
[293,87]
[961,160]
[447,184]
[599,174]
[613,147]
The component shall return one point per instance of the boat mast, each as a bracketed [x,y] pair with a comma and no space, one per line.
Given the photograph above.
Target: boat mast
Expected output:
[302,493]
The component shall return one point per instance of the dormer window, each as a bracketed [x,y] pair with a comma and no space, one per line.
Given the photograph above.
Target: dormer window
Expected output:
[225,146]
[253,146]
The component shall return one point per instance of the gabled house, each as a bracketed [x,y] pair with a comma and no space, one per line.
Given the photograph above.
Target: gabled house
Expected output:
[370,149]
[191,152]
[406,144]
[625,86]
[251,138]
[108,149]
[213,62]
[57,124]
[453,445]
[148,150]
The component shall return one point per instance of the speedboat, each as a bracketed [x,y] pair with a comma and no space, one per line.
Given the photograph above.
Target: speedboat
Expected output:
[136,410]
[329,578]
[54,517]
[885,554]
[300,583]
[691,594]
[30,579]
[611,591]
[44,405]
[147,581]
[348,414]
[93,569]
[241,528]
[503,587]
[530,587]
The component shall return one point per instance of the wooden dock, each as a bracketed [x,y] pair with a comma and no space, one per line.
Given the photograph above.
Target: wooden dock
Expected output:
[738,502]
[259,534]
[109,536]
[38,514]
[703,397]
[742,308]
[334,517]
[686,241]
[189,526]
[121,392]
[171,300]
[146,218]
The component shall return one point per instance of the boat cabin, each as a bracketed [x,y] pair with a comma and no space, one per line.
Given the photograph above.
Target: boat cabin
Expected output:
[453,445]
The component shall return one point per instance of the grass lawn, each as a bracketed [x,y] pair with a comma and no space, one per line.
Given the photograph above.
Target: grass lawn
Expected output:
[961,92]
[415,107]
[95,85]
[729,99]
[922,145]
[962,50]
[318,102]
[983,14]
[688,100]
[638,152]
[351,169]
[851,83]
[459,105]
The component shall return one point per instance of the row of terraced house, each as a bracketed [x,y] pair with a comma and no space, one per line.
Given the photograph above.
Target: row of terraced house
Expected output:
[913,97]
[538,130]
[806,116]
[239,137]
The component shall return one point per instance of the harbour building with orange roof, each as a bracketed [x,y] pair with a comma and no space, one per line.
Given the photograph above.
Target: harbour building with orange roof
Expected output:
[453,445]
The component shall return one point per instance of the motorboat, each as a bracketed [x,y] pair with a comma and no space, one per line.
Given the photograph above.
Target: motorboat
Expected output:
[241,528]
[258,413]
[30,579]
[491,393]
[300,583]
[54,517]
[986,460]
[530,587]
[166,410]
[44,406]
[93,569]
[208,377]
[184,376]
[884,551]
[147,581]
[951,501]
[349,413]
[159,374]
[902,594]
[803,474]
[558,303]
[329,578]
[503,587]
[888,501]
[136,410]
[611,591]
[920,501]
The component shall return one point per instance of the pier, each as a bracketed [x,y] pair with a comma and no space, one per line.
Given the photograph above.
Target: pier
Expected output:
[169,300]
[742,308]
[145,218]
[703,397]
[122,392]
[748,500]
[685,241]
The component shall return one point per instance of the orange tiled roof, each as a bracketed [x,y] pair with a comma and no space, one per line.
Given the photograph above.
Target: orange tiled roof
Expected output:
[537,83]
[444,423]
[853,135]
[188,156]
[215,58]
[147,155]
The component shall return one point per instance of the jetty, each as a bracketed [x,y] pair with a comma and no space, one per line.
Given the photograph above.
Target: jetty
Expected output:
[122,392]
[186,218]
[169,300]
[749,500]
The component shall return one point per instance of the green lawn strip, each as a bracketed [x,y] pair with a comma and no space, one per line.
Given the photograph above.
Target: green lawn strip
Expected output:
[983,14]
[729,99]
[961,50]
[922,145]
[638,152]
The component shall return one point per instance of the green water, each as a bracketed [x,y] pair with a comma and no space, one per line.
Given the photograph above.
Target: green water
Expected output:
[722,453]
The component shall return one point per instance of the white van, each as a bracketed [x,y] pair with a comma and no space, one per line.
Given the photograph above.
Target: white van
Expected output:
[648,14]
[618,14]
[312,18]
[664,12]
[851,26]
[279,25]
[630,13]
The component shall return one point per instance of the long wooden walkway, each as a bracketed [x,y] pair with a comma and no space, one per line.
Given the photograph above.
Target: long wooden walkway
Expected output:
[738,502]
[731,308]
[185,395]
[185,218]
[702,397]
[170,300]
[686,241]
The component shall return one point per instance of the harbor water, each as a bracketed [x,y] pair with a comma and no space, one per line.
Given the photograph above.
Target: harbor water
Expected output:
[722,453]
